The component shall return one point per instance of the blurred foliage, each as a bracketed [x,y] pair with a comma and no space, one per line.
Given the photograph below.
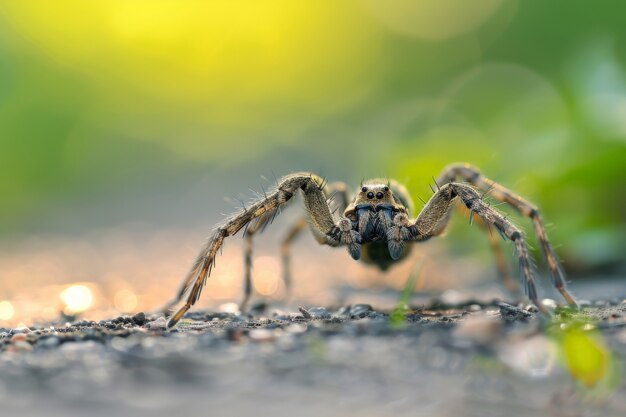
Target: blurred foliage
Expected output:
[585,354]
[101,100]
[397,318]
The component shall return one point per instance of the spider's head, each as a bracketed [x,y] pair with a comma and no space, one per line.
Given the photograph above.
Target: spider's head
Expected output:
[373,210]
[374,194]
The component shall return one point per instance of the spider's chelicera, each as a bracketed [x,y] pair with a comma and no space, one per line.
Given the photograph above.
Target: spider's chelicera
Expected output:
[376,226]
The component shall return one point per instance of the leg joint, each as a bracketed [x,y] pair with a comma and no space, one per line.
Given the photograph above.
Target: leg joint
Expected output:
[534,213]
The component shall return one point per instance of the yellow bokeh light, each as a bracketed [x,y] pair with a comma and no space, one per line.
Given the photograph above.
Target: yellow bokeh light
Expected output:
[229,66]
[77,298]
[125,300]
[6,310]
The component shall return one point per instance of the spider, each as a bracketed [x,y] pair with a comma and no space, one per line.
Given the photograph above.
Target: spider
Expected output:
[375,226]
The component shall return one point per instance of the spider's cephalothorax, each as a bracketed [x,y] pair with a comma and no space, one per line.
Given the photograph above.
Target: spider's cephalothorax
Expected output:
[376,226]
[373,213]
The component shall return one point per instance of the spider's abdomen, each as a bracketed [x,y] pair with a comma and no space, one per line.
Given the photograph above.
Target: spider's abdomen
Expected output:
[377,253]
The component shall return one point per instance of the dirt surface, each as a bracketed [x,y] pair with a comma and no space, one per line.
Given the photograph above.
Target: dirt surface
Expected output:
[473,359]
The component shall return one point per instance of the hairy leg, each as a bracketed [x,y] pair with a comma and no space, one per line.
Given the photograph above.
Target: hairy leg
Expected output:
[321,221]
[436,213]
[472,175]
[501,263]
[247,258]
[337,196]
[285,252]
[338,199]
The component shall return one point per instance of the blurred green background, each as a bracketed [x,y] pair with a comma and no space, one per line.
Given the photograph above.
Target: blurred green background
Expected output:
[153,111]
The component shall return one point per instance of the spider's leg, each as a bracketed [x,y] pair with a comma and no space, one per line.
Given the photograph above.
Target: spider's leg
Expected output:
[338,199]
[436,213]
[258,225]
[473,176]
[285,252]
[321,222]
[501,262]
[249,234]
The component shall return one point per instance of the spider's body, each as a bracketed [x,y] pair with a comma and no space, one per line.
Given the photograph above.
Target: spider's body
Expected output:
[372,212]
[376,226]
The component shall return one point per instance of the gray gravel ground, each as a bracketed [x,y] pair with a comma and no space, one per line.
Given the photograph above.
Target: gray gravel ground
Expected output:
[467,360]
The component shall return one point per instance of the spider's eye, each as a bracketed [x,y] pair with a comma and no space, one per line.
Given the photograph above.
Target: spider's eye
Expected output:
[379,195]
[370,195]
[386,189]
[364,189]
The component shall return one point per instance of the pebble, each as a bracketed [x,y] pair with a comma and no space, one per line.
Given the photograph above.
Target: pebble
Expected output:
[49,342]
[18,337]
[305,313]
[20,330]
[157,324]
[139,319]
[92,334]
[511,313]
[360,310]
[20,346]
[319,313]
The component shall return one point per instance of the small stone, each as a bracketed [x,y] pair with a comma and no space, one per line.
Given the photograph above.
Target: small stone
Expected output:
[18,337]
[91,334]
[305,313]
[49,342]
[512,313]
[359,311]
[375,316]
[139,319]
[157,324]
[531,308]
[319,313]
[20,330]
[21,346]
